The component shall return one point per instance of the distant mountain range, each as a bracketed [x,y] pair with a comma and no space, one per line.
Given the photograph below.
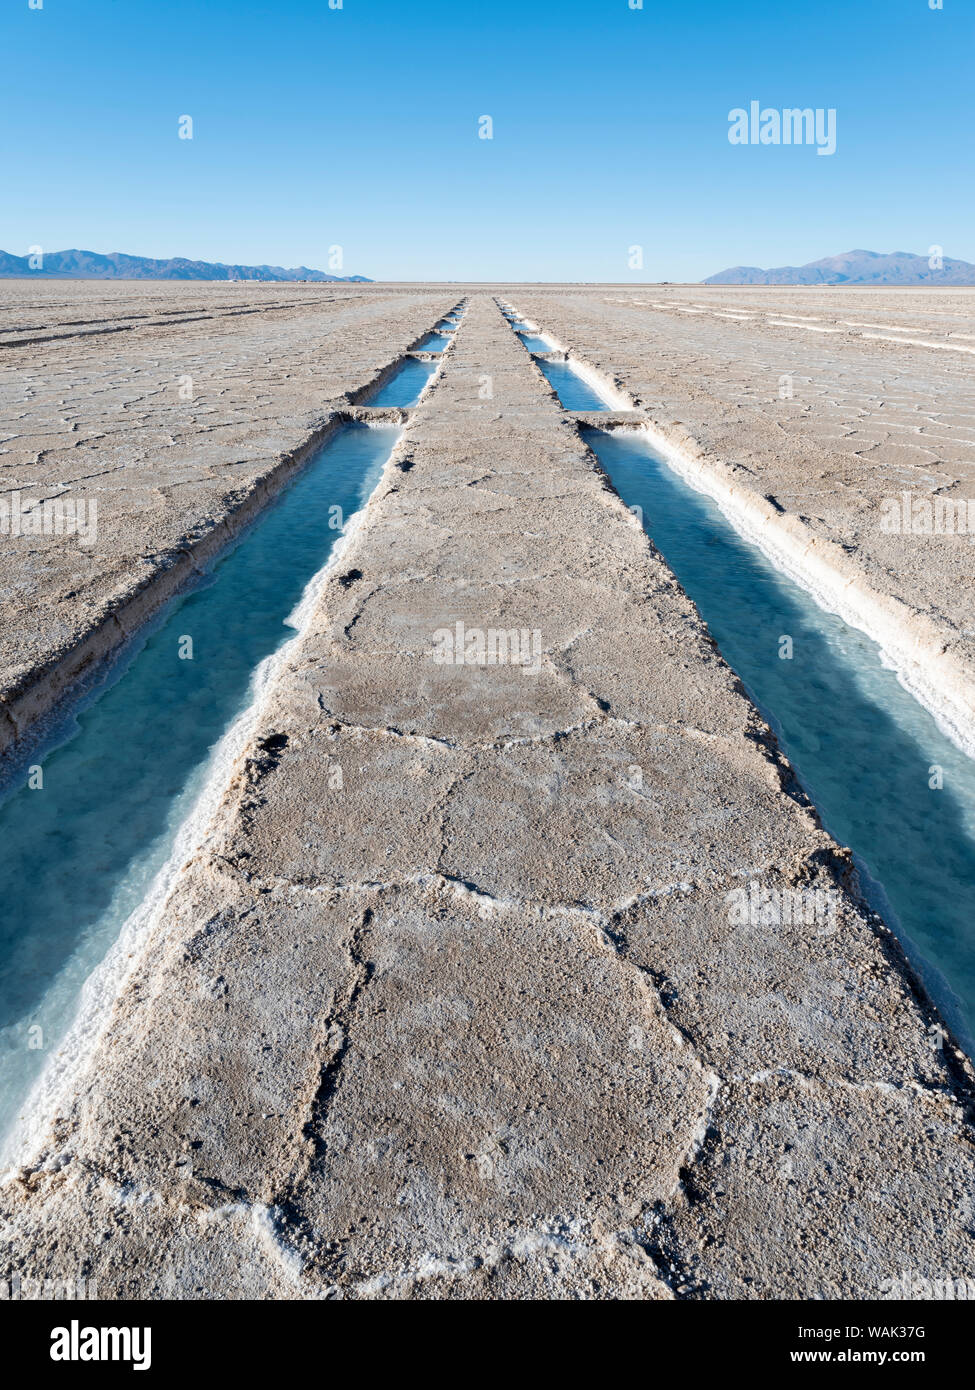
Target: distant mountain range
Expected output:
[854,268]
[92,265]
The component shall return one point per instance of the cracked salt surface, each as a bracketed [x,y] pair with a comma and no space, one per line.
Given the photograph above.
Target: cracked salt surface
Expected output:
[861,745]
[79,856]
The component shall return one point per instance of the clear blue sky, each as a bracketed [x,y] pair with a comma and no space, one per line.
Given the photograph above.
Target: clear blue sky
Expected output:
[358,127]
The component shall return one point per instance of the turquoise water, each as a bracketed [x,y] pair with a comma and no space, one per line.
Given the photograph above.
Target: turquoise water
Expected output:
[434,342]
[862,747]
[571,390]
[533,343]
[78,856]
[405,386]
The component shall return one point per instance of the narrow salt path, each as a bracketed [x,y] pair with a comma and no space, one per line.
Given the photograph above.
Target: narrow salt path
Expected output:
[89,834]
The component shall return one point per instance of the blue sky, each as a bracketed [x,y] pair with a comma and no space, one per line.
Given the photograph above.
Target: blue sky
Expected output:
[358,127]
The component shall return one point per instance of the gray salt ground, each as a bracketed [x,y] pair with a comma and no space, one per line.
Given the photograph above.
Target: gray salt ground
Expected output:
[173,408]
[813,410]
[476,1023]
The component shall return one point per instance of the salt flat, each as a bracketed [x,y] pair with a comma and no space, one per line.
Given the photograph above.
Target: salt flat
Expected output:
[472,1019]
[172,408]
[809,433]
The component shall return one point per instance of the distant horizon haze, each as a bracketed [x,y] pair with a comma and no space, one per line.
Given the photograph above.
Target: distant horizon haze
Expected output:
[857,267]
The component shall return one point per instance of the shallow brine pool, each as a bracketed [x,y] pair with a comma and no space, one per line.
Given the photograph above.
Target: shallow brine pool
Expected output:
[884,778]
[78,855]
[572,391]
[405,387]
